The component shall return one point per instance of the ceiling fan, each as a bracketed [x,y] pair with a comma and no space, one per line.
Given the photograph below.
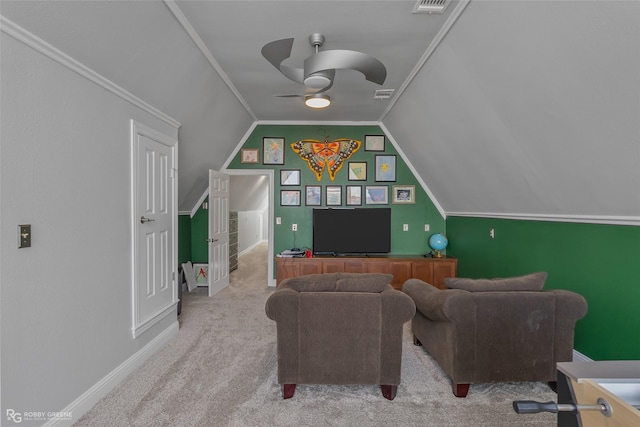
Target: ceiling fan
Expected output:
[320,68]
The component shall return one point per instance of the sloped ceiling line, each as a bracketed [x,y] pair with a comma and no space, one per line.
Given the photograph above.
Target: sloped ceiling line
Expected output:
[17,32]
[423,184]
[430,49]
[173,7]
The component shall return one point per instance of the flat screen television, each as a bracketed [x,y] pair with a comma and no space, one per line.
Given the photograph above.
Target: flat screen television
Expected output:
[351,231]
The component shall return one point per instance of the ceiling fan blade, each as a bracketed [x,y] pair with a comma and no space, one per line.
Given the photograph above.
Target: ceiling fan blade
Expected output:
[373,69]
[289,96]
[277,51]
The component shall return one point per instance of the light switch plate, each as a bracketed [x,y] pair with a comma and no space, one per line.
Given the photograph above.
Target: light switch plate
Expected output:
[24,236]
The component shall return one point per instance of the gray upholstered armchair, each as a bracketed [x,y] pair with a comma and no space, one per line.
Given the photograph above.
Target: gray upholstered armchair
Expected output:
[339,328]
[495,330]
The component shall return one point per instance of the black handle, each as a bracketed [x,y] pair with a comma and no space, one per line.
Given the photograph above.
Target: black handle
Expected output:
[533,407]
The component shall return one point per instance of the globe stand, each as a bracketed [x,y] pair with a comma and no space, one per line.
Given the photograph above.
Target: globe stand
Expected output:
[438,254]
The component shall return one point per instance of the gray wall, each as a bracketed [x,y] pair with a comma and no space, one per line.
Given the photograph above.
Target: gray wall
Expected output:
[530,107]
[65,303]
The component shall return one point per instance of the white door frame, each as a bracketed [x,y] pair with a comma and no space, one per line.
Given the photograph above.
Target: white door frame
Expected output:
[143,321]
[269,173]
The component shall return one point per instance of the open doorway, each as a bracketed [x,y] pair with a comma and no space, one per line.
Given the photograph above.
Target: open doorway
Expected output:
[251,196]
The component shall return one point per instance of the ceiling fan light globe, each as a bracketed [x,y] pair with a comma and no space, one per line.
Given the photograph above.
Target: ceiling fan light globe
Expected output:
[317,101]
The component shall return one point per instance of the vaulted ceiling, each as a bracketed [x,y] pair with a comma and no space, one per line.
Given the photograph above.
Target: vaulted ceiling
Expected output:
[512,108]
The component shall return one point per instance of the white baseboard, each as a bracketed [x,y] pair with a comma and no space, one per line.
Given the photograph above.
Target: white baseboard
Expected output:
[244,251]
[89,398]
[579,357]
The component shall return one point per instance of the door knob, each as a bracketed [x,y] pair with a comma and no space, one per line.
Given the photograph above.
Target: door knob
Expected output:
[212,240]
[145,219]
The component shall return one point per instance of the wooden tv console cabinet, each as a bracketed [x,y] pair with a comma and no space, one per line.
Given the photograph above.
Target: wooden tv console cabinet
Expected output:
[431,270]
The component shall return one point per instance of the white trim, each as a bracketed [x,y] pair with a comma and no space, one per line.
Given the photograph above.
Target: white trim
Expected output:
[585,219]
[199,203]
[89,398]
[413,171]
[579,357]
[251,247]
[173,7]
[318,122]
[36,43]
[455,14]
[240,144]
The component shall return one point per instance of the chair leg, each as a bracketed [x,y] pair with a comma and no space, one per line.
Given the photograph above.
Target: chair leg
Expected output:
[288,390]
[416,341]
[389,391]
[460,390]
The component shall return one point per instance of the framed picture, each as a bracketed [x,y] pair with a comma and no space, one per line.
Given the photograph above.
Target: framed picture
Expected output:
[249,155]
[357,171]
[386,168]
[313,195]
[201,271]
[290,177]
[354,195]
[334,195]
[289,197]
[374,143]
[377,195]
[403,194]
[272,150]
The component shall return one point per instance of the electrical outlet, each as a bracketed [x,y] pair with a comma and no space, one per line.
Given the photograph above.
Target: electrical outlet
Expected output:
[492,233]
[294,227]
[426,227]
[278,220]
[405,227]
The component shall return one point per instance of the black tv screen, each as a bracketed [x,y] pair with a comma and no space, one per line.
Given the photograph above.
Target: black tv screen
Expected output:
[352,231]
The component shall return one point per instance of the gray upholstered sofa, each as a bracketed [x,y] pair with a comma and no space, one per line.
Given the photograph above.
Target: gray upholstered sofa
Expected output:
[495,330]
[339,328]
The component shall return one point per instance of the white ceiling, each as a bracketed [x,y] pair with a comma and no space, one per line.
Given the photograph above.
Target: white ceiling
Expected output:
[234,32]
[527,108]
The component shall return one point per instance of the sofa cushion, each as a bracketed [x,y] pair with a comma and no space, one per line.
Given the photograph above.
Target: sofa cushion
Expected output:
[311,283]
[338,282]
[530,282]
[363,282]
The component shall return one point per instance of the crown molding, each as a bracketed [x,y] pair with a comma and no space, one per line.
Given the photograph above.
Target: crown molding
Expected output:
[14,30]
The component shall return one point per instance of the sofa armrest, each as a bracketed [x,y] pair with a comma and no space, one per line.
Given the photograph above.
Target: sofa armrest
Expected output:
[399,304]
[282,304]
[429,300]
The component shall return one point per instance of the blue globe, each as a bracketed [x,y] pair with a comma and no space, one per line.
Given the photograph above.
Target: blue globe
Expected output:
[438,242]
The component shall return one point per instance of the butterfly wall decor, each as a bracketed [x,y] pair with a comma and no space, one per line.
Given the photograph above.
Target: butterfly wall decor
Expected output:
[326,154]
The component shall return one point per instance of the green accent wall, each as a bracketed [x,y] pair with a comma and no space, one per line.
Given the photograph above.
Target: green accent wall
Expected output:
[184,238]
[199,234]
[415,215]
[600,262]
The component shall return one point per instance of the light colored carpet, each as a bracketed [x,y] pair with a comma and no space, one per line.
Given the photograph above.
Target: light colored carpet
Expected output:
[220,370]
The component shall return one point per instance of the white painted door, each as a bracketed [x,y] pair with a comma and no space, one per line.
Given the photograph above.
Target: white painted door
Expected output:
[218,231]
[154,225]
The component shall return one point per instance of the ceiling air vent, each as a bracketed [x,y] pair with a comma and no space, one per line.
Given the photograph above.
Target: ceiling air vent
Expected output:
[383,93]
[431,6]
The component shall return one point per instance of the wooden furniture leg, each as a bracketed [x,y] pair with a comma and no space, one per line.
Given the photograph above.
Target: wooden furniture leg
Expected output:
[288,390]
[460,390]
[389,391]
